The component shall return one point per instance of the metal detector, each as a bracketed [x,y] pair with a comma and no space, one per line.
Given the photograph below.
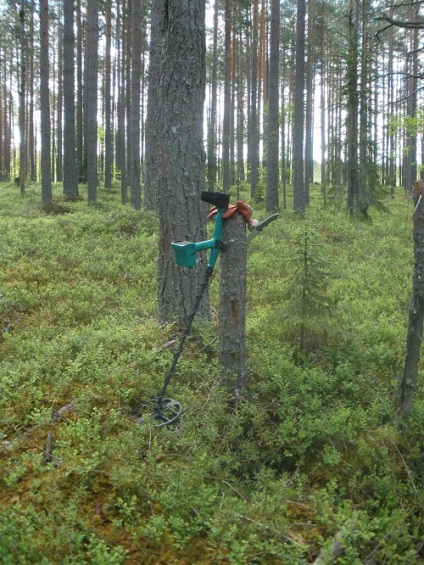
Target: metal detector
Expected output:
[168,411]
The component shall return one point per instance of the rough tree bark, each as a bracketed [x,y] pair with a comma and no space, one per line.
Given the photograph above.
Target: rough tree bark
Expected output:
[299,111]
[108,96]
[352,111]
[227,98]
[212,164]
[232,355]
[416,308]
[22,106]
[46,179]
[153,109]
[272,199]
[253,117]
[70,172]
[135,186]
[91,113]
[178,175]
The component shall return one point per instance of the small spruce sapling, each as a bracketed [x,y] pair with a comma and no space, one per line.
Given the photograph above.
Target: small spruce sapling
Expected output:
[307,302]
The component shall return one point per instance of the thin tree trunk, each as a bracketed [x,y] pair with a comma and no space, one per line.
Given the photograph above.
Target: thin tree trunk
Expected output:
[70,171]
[352,112]
[309,115]
[299,111]
[59,124]
[31,133]
[22,98]
[240,106]
[416,308]
[82,173]
[365,155]
[253,122]
[2,118]
[121,137]
[135,179]
[227,99]
[46,180]
[212,165]
[322,110]
[108,113]
[153,109]
[91,113]
[272,200]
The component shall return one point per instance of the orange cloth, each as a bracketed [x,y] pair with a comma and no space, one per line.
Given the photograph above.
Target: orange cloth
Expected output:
[239,206]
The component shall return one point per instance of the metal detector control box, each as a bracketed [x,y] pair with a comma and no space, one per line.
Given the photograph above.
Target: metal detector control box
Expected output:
[185,251]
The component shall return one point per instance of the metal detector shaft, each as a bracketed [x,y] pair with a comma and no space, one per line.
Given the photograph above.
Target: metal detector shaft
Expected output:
[185,332]
[167,410]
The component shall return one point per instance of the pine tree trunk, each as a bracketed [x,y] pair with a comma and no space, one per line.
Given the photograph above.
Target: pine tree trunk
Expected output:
[416,309]
[2,121]
[157,17]
[91,113]
[46,180]
[31,132]
[212,164]
[70,172]
[253,119]
[59,124]
[232,355]
[135,179]
[352,112]
[299,111]
[22,98]
[121,160]
[108,116]
[7,95]
[322,110]
[272,199]
[309,114]
[82,172]
[365,156]
[227,99]
[179,156]
[240,108]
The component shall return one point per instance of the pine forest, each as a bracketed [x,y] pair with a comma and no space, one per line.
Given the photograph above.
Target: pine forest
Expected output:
[328,92]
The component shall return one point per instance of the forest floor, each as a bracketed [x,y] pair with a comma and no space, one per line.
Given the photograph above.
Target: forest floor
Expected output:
[314,465]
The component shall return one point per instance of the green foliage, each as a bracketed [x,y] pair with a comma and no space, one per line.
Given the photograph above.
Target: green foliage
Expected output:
[312,453]
[411,125]
[307,304]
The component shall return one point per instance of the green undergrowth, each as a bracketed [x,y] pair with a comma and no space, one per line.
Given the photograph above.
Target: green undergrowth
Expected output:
[312,456]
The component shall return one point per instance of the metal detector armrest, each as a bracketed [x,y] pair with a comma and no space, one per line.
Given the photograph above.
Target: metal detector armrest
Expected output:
[218,199]
[185,251]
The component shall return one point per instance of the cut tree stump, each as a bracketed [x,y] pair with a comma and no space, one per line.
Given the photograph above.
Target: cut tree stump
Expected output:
[232,354]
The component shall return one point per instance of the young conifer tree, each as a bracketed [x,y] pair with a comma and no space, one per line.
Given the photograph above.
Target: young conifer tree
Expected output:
[307,306]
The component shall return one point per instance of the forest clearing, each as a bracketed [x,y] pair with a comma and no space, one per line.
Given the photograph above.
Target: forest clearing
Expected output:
[314,465]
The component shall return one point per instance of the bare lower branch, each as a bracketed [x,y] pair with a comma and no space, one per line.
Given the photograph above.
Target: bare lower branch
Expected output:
[405,24]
